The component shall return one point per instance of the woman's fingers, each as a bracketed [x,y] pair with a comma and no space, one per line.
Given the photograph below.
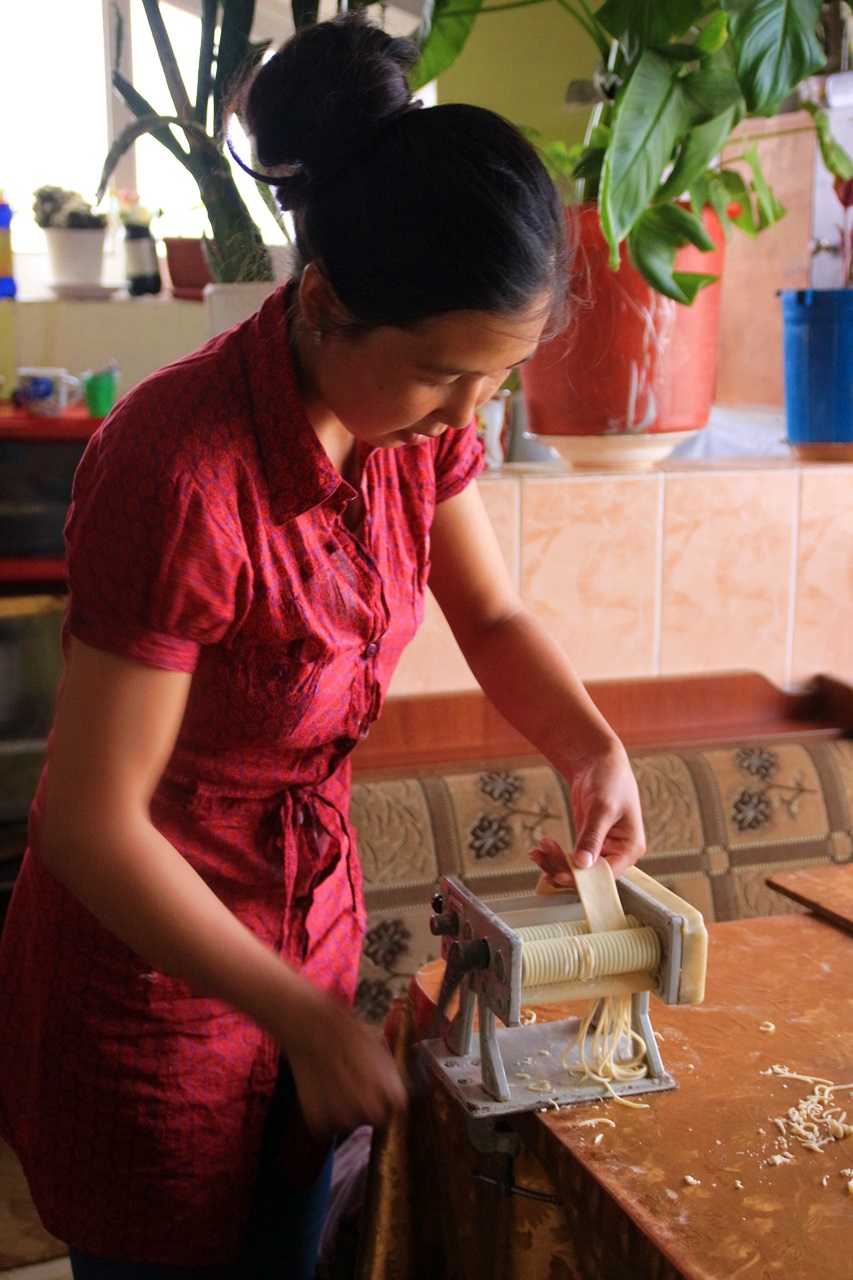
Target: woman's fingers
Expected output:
[344,1074]
[553,862]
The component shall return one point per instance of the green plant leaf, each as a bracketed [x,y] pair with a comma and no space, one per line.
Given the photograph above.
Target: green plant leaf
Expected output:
[691,282]
[559,159]
[683,226]
[650,116]
[776,47]
[152,124]
[714,34]
[168,61]
[599,136]
[235,55]
[739,195]
[710,91]
[678,52]
[587,169]
[143,109]
[698,194]
[652,246]
[440,37]
[638,24]
[698,152]
[716,195]
[834,156]
[769,208]
[204,74]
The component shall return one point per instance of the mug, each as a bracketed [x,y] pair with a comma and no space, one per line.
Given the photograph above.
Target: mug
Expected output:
[493,419]
[100,389]
[47,391]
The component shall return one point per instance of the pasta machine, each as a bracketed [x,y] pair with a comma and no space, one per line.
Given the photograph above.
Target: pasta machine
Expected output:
[535,949]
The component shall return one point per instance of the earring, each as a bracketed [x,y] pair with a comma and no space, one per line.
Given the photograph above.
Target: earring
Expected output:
[317,335]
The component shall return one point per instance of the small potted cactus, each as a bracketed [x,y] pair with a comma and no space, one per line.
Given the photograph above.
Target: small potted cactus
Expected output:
[75,237]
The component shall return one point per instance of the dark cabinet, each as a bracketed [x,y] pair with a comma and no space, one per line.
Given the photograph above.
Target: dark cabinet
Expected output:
[38,458]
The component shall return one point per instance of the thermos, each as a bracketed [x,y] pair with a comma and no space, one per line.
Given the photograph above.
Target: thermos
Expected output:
[7,279]
[140,260]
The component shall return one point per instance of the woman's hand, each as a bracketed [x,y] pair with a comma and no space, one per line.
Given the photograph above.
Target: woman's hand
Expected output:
[343,1072]
[608,820]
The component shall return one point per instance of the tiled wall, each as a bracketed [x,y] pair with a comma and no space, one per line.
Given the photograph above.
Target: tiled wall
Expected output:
[698,566]
[691,568]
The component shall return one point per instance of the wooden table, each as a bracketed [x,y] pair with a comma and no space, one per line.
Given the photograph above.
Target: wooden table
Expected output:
[688,1188]
[825,890]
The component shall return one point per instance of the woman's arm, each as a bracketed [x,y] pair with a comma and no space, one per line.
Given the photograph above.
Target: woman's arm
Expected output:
[116,726]
[533,684]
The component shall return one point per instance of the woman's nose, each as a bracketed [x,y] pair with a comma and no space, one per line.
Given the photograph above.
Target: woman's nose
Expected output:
[458,408]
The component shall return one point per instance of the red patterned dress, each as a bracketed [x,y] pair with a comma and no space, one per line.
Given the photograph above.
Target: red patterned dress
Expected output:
[205,535]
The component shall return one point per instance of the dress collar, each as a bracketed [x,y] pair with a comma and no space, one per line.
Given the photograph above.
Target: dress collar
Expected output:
[298,470]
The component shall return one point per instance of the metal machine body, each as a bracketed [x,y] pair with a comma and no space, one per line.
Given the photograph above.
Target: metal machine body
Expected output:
[483,956]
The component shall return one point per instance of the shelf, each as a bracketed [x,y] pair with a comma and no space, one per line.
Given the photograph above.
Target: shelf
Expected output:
[73,424]
[25,572]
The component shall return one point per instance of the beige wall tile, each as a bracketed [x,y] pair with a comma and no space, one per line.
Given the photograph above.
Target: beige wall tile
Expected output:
[588,552]
[432,663]
[589,555]
[502,499]
[726,573]
[823,610]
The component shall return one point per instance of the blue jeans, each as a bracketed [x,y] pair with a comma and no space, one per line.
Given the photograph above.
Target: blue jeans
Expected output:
[282,1237]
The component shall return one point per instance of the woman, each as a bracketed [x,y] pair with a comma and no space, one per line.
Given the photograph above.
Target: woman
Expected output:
[248,546]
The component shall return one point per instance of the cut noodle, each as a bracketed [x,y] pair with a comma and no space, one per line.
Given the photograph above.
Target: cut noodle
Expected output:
[600,1056]
[816,1120]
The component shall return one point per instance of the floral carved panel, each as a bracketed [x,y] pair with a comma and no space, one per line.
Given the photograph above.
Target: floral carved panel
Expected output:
[395,840]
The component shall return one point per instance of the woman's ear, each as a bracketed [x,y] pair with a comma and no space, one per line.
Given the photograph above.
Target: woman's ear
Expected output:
[321,310]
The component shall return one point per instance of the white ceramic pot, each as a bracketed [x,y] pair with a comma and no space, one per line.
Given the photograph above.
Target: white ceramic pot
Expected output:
[76,254]
[228,304]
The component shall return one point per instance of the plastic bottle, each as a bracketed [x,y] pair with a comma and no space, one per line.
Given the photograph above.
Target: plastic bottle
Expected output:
[140,260]
[7,280]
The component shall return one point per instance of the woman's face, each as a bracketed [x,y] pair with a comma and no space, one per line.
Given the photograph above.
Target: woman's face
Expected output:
[392,387]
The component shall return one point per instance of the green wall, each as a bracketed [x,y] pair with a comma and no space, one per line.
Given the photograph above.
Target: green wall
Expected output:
[519,62]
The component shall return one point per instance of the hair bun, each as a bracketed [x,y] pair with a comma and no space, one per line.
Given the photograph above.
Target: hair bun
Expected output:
[313,103]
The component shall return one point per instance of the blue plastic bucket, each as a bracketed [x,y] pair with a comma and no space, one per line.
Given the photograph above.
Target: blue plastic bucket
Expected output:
[818,329]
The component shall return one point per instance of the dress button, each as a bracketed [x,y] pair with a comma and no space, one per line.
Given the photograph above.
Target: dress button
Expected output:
[371,649]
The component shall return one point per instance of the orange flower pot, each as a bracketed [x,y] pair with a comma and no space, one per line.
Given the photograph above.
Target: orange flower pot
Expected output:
[631,361]
[188,269]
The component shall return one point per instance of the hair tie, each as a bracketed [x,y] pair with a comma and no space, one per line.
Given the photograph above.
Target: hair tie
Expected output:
[272,175]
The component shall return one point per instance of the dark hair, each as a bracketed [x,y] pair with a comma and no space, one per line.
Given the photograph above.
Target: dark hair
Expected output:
[412,213]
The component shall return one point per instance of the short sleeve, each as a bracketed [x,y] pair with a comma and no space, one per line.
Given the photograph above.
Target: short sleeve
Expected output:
[459,458]
[155,569]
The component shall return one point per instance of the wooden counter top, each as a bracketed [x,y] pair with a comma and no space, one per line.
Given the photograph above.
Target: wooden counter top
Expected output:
[691,1187]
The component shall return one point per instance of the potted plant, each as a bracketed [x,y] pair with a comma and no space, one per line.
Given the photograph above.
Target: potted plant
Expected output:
[75,238]
[673,82]
[235,251]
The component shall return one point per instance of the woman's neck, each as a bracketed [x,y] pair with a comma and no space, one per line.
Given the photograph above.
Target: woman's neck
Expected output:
[339,445]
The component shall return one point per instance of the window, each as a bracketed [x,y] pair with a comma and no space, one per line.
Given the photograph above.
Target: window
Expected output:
[59,113]
[52,103]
